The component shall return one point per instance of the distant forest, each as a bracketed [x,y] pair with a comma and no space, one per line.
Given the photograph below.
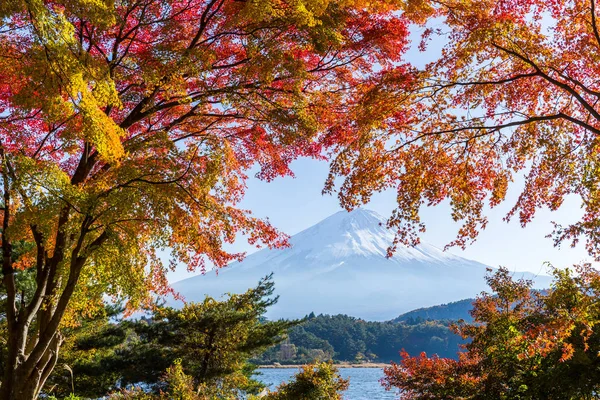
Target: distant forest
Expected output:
[452,311]
[348,339]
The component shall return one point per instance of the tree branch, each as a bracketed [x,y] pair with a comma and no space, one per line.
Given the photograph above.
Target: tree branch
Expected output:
[553,81]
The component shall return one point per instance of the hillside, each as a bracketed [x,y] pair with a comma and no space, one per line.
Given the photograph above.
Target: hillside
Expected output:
[453,311]
[348,339]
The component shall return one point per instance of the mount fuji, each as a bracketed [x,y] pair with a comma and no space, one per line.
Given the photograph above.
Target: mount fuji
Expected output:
[339,266]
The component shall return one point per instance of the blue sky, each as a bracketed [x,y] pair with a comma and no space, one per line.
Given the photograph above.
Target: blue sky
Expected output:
[294,204]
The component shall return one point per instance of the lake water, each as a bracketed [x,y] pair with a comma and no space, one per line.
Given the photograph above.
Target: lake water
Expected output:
[364,382]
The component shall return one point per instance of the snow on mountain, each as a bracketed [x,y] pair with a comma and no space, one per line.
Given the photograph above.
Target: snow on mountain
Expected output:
[339,266]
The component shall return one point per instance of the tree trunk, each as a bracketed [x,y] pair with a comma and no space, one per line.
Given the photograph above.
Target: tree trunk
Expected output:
[24,382]
[32,353]
[20,388]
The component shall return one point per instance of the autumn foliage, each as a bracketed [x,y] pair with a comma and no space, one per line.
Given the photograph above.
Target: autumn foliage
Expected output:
[128,127]
[523,344]
[512,90]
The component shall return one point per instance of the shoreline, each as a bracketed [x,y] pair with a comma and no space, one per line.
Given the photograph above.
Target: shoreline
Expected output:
[339,365]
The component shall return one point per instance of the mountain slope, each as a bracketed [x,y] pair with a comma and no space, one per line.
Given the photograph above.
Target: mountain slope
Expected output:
[453,311]
[339,266]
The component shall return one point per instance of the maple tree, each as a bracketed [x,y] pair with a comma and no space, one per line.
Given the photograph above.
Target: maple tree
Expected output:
[523,344]
[128,126]
[513,91]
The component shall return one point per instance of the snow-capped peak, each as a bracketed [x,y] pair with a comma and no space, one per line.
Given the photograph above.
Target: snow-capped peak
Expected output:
[359,235]
[362,233]
[356,219]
